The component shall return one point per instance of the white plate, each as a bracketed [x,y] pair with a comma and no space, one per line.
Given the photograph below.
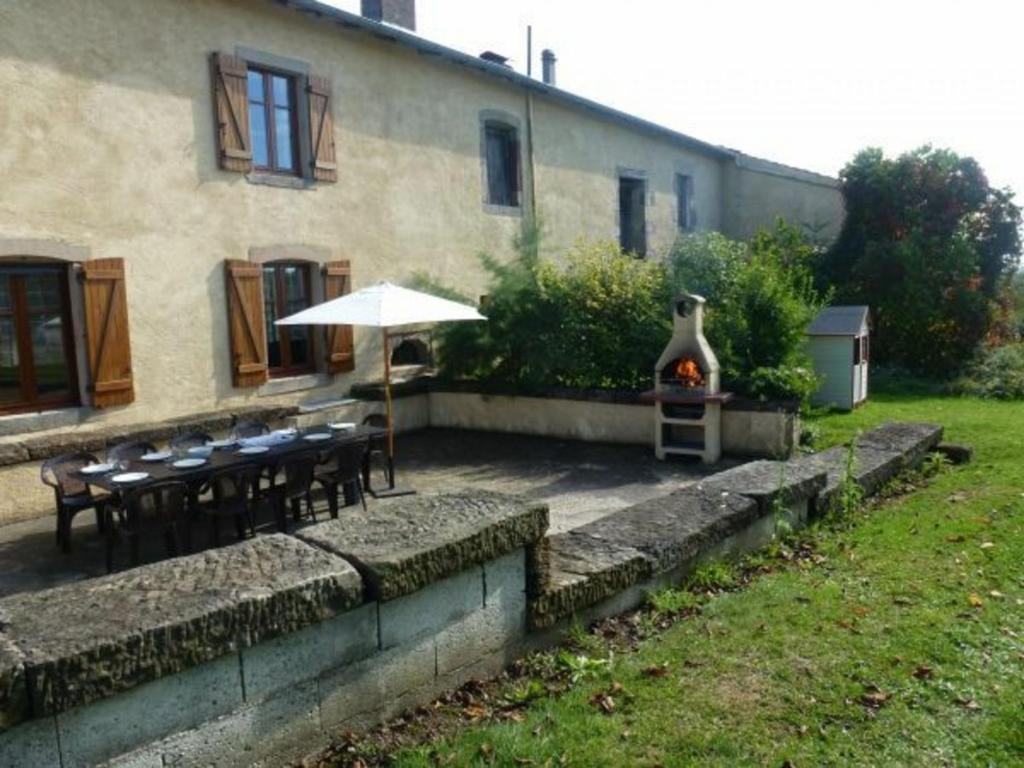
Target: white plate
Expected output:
[156,456]
[200,450]
[130,477]
[254,449]
[96,469]
[188,463]
[287,431]
[317,437]
[226,443]
[342,425]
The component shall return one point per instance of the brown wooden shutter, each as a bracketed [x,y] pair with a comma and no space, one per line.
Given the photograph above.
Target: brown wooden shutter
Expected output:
[106,325]
[340,349]
[245,322]
[231,102]
[321,127]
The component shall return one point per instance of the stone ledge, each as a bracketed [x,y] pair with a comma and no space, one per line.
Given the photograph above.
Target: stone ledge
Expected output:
[768,482]
[605,557]
[13,692]
[46,446]
[409,543]
[912,440]
[89,640]
[671,530]
[583,571]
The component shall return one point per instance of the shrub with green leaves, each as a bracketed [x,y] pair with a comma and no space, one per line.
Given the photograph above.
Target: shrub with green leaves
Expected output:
[998,373]
[761,298]
[598,320]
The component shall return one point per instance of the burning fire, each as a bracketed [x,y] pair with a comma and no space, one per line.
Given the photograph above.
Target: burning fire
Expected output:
[687,373]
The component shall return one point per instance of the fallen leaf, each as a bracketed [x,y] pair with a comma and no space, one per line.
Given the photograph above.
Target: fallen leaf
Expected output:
[987,544]
[923,673]
[604,702]
[475,711]
[956,497]
[996,594]
[955,539]
[975,600]
[656,670]
[970,704]
[874,699]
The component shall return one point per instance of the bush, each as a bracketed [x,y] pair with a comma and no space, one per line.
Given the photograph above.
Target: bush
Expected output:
[997,373]
[599,322]
[761,298]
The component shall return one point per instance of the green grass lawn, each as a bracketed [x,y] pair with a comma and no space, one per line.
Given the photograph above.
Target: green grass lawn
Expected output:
[900,643]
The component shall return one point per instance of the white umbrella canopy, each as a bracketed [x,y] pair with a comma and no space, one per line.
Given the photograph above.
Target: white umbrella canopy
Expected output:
[384,305]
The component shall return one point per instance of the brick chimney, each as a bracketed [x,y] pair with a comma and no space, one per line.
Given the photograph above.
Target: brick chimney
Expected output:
[547,59]
[401,13]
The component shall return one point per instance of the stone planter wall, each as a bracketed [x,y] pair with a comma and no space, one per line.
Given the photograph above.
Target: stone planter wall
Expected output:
[747,430]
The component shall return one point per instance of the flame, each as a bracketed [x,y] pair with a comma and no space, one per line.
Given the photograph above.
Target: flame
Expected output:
[687,373]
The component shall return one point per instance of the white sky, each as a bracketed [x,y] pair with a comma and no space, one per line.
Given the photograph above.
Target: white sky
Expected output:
[800,82]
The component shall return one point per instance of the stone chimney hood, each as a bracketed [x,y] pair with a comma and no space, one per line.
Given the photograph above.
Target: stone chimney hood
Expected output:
[401,13]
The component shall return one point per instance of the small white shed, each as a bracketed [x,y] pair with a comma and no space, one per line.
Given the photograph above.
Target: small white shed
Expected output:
[838,345]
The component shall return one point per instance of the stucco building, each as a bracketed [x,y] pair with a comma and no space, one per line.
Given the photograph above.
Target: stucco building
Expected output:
[178,173]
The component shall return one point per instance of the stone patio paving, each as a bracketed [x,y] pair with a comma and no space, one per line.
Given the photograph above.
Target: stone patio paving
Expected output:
[581,482]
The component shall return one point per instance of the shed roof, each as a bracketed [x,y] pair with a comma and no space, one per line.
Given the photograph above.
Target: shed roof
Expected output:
[839,321]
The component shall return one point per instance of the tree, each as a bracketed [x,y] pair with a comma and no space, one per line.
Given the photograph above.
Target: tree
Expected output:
[930,246]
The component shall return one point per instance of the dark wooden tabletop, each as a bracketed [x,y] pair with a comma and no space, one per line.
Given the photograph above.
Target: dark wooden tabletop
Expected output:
[224,458]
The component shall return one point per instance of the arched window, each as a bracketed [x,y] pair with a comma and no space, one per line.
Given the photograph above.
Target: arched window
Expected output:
[37,350]
[287,289]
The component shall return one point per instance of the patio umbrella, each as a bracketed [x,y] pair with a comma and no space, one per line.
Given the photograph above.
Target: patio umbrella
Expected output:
[384,305]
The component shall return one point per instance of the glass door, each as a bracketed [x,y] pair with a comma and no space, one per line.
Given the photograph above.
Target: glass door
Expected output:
[37,366]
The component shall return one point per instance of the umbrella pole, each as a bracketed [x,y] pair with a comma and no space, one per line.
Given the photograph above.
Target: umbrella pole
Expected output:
[387,404]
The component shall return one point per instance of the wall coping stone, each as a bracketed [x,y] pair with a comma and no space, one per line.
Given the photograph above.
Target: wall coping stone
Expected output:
[585,570]
[402,546]
[13,693]
[88,640]
[766,481]
[46,446]
[670,530]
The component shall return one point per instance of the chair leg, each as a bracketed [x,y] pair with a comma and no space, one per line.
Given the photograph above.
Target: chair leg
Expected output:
[101,520]
[239,526]
[331,490]
[135,538]
[64,531]
[309,506]
[215,529]
[108,534]
[362,496]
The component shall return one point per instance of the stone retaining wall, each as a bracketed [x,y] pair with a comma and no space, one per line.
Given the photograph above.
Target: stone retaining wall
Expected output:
[256,651]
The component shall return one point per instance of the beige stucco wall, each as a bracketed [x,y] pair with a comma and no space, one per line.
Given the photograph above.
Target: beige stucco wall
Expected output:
[107,143]
[578,165]
[755,192]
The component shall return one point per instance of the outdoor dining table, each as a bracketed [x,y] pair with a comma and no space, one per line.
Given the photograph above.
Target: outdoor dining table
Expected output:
[229,456]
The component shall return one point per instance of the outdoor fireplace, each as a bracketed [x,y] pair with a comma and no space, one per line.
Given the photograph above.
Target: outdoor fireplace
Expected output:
[686,394]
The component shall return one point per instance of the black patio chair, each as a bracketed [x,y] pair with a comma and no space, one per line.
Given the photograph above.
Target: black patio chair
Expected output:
[71,493]
[342,465]
[130,450]
[377,450]
[234,494]
[244,429]
[163,503]
[189,440]
[297,489]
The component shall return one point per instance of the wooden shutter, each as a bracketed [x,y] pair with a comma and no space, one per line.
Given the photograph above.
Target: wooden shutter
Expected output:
[106,325]
[245,322]
[231,103]
[321,127]
[340,353]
